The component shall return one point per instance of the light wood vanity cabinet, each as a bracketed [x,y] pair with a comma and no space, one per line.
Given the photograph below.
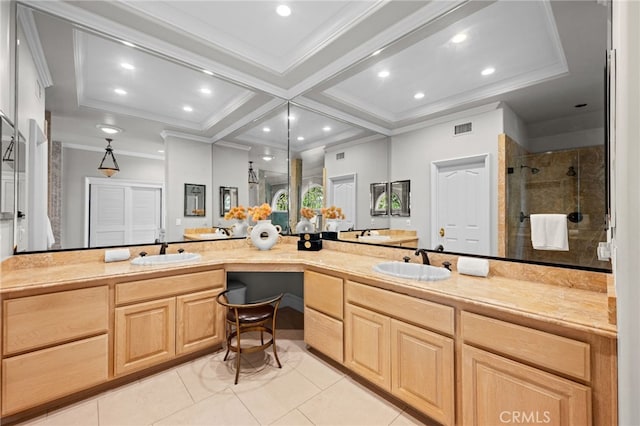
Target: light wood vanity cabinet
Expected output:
[323,313]
[53,345]
[394,341]
[499,390]
[172,316]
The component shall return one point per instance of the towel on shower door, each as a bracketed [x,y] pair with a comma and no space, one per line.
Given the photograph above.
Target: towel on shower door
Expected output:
[549,232]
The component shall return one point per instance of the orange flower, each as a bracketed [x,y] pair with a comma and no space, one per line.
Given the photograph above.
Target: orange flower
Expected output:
[333,212]
[260,212]
[307,212]
[239,212]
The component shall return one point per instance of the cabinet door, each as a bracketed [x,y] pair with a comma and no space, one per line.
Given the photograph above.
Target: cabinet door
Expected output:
[367,352]
[323,333]
[144,335]
[496,390]
[199,321]
[422,370]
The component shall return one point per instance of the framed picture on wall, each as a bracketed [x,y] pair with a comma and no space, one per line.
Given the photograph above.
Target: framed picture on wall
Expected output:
[194,199]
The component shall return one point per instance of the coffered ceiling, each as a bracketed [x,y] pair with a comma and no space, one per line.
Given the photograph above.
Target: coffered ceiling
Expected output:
[546,57]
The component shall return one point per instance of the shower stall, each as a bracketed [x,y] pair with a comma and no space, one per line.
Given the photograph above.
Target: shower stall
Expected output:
[570,182]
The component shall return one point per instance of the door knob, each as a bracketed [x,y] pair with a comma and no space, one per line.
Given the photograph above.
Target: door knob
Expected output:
[442,232]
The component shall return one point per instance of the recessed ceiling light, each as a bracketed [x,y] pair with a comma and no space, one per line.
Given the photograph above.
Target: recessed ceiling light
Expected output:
[110,130]
[488,71]
[128,43]
[326,128]
[291,118]
[127,66]
[419,95]
[383,74]
[283,10]
[120,91]
[377,52]
[266,129]
[205,91]
[267,157]
[207,72]
[459,38]
[300,138]
[161,151]
[187,108]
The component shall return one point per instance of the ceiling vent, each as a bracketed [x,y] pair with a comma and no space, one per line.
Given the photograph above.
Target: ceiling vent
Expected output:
[340,156]
[460,129]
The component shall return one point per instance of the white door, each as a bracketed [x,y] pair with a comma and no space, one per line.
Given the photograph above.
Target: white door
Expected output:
[342,193]
[121,214]
[461,205]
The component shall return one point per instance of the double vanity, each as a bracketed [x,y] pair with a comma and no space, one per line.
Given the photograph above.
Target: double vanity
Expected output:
[461,350]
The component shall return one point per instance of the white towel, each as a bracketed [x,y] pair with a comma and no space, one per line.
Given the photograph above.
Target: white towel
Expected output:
[116,255]
[473,266]
[549,232]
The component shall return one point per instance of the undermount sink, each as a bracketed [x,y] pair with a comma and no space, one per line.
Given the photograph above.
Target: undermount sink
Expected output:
[213,236]
[413,271]
[163,259]
[374,238]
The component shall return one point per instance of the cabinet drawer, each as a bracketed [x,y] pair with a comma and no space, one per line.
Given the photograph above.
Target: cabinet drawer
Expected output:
[37,377]
[154,288]
[410,309]
[323,293]
[546,350]
[323,333]
[37,321]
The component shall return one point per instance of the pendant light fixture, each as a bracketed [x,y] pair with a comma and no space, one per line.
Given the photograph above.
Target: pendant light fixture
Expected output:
[253,179]
[8,154]
[109,165]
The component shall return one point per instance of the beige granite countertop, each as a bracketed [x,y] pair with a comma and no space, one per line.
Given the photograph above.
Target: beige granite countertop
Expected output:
[562,303]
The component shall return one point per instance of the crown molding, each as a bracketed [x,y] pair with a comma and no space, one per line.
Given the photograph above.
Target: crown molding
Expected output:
[172,134]
[118,152]
[233,145]
[253,116]
[360,141]
[32,37]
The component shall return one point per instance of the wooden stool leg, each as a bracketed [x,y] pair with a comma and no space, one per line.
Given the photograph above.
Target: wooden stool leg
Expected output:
[238,355]
[273,340]
[227,332]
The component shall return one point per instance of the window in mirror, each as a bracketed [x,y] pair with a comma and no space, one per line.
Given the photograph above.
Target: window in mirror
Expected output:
[228,198]
[401,198]
[194,199]
[379,203]
[313,197]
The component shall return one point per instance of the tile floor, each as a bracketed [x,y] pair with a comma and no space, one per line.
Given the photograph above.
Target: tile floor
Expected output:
[306,391]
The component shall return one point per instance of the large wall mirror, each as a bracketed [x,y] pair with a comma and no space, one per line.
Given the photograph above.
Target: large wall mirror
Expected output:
[511,92]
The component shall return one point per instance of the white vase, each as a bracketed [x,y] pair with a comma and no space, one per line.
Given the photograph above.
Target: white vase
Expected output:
[332,225]
[264,235]
[305,226]
[239,229]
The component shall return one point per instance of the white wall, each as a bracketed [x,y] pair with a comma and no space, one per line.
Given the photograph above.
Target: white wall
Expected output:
[413,152]
[569,140]
[30,90]
[230,168]
[186,161]
[626,241]
[514,126]
[78,164]
[7,86]
[369,161]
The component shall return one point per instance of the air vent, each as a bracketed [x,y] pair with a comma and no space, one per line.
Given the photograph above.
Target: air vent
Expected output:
[340,156]
[462,128]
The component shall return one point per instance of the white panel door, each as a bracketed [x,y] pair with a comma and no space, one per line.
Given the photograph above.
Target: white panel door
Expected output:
[107,224]
[146,214]
[462,206]
[122,213]
[342,193]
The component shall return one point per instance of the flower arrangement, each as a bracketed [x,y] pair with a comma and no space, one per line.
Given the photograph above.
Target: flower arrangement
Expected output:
[238,212]
[307,213]
[332,212]
[260,212]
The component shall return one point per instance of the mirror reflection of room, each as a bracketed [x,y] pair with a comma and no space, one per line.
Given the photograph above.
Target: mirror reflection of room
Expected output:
[335,138]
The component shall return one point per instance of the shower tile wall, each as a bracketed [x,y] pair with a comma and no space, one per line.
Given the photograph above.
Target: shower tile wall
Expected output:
[556,188]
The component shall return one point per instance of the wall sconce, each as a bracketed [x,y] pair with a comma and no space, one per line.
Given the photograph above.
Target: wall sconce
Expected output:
[252,175]
[109,165]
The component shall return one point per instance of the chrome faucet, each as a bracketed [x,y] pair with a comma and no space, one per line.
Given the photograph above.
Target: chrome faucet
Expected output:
[163,246]
[425,256]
